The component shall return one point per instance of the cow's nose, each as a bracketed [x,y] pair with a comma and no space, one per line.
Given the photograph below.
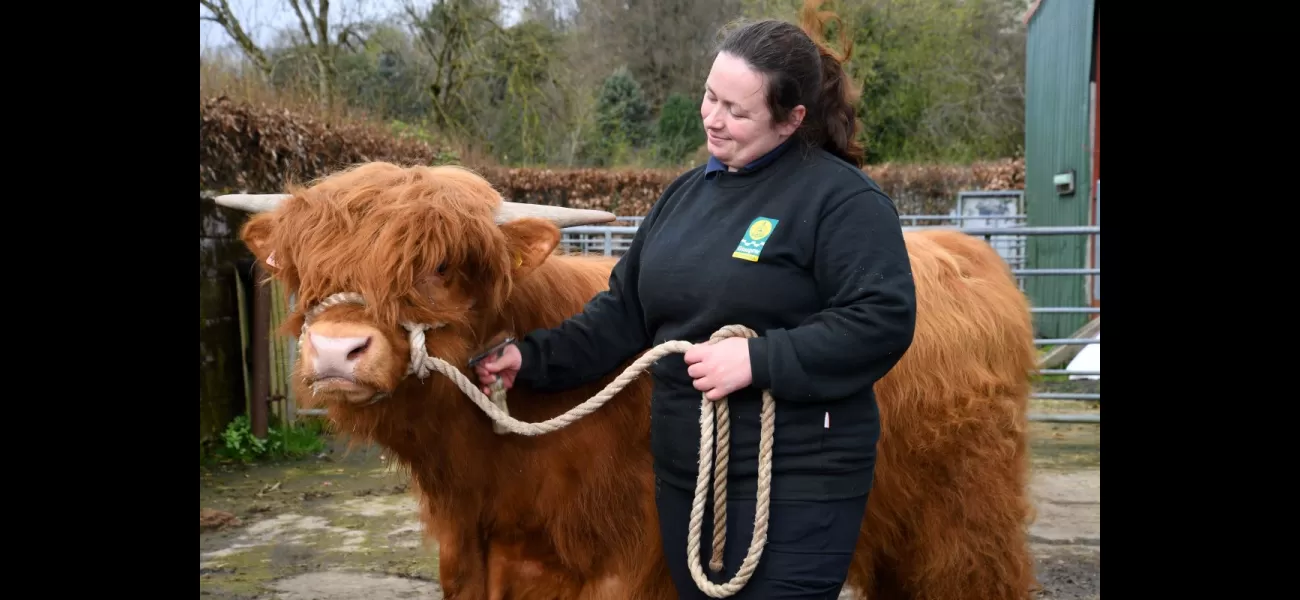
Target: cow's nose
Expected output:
[337,356]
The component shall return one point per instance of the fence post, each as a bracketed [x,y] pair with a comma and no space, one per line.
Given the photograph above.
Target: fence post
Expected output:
[290,399]
[1096,249]
[261,353]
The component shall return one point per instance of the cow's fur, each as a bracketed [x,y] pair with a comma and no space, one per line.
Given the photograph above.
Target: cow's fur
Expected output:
[947,514]
[571,514]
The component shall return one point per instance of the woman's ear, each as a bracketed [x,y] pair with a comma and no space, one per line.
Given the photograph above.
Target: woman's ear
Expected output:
[792,121]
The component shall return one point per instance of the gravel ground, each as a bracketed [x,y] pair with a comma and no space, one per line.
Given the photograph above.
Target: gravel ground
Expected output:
[343,525]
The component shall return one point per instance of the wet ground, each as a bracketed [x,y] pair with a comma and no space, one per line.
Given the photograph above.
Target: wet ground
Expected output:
[343,525]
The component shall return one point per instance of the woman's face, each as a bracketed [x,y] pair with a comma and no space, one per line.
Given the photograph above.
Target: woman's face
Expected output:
[736,118]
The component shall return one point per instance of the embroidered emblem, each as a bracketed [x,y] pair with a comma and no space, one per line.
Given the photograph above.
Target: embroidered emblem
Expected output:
[755,237]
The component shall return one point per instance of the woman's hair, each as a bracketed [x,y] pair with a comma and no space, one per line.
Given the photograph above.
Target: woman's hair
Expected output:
[801,69]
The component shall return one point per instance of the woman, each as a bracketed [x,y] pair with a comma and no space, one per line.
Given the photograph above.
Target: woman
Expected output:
[781,232]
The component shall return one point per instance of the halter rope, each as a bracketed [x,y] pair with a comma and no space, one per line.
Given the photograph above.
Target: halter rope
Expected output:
[422,364]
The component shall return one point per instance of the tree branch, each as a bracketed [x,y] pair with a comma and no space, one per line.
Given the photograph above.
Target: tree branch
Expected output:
[223,16]
[303,24]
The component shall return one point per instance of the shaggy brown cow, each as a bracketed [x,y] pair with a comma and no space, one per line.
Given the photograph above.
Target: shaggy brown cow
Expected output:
[571,514]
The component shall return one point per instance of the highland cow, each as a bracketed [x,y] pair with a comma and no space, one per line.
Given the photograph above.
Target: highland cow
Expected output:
[376,251]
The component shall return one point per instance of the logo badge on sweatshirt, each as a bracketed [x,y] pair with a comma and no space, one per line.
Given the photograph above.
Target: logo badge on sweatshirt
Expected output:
[755,237]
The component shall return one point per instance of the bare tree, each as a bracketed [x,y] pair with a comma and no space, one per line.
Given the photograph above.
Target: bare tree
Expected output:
[665,43]
[315,27]
[313,23]
[450,33]
[223,16]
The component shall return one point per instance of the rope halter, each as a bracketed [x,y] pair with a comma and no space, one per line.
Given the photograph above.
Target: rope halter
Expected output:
[415,331]
[421,364]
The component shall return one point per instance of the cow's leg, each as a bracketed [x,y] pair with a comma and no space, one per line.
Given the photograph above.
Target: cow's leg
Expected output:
[641,575]
[609,587]
[461,562]
[973,561]
[968,542]
[872,577]
[521,569]
[862,572]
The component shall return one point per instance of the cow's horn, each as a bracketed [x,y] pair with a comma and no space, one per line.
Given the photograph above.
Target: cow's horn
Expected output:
[509,211]
[254,203]
[561,216]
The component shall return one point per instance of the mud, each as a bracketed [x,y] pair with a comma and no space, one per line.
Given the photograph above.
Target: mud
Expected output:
[344,525]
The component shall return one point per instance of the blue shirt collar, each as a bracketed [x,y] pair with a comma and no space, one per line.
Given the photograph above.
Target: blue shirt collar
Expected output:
[715,166]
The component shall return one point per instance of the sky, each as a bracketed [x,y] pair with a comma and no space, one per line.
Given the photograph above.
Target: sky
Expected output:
[262,18]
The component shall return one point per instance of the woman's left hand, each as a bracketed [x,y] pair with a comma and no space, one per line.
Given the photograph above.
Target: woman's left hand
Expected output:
[720,369]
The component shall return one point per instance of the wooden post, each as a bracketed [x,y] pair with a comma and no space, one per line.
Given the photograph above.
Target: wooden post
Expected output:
[222,376]
[261,351]
[290,402]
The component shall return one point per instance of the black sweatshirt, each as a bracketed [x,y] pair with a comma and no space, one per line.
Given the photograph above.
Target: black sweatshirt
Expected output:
[806,251]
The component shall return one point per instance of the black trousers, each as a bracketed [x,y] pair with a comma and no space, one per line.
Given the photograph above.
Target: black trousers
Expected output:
[809,544]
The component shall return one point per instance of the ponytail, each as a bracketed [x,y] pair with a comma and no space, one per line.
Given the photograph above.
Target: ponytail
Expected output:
[838,98]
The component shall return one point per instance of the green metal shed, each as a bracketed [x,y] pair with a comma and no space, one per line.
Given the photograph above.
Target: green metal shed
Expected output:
[1062,156]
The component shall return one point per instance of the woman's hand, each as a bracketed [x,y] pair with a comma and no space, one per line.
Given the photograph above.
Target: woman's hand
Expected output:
[504,364]
[720,369]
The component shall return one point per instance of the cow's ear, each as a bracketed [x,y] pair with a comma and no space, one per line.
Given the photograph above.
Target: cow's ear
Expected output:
[529,241]
[256,234]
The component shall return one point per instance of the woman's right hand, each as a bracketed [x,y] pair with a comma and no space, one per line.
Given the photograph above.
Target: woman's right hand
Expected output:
[504,364]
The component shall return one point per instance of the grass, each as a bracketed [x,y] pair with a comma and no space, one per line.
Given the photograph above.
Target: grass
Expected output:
[237,444]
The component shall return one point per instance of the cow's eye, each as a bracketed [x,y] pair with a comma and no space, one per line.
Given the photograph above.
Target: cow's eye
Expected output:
[442,268]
